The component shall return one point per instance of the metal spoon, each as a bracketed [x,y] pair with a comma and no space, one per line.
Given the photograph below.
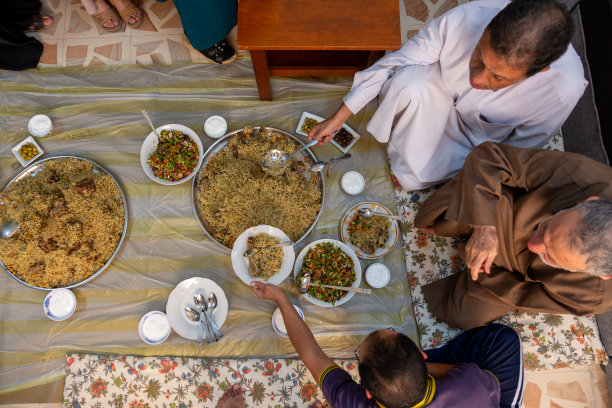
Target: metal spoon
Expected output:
[275,161]
[212,305]
[146,115]
[250,252]
[305,282]
[195,316]
[368,213]
[199,301]
[318,166]
[8,229]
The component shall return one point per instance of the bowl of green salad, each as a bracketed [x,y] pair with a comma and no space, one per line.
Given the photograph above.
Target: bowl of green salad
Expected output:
[173,158]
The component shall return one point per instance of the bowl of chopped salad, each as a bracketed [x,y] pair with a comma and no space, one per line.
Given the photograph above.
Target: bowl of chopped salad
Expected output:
[176,159]
[329,262]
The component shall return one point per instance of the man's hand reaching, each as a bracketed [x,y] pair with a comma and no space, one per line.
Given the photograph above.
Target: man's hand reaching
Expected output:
[481,250]
[324,131]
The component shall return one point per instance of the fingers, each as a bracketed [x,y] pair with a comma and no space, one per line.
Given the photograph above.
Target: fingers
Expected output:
[258,288]
[488,263]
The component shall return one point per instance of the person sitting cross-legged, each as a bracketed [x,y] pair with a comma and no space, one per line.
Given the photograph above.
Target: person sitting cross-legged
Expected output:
[482,367]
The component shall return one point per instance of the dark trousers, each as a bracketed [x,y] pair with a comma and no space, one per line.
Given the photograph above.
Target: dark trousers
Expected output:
[495,348]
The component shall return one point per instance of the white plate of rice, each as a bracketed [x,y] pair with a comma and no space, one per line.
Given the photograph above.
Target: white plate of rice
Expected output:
[241,263]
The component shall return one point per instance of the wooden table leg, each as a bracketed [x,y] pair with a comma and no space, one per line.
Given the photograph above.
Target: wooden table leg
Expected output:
[262,74]
[374,56]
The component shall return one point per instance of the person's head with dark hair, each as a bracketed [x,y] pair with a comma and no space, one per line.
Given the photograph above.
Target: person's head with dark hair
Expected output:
[392,369]
[522,39]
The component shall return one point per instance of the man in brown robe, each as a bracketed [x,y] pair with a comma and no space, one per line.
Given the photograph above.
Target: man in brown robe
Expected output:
[510,202]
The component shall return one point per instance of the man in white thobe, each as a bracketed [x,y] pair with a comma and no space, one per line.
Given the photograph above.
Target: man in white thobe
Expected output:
[458,83]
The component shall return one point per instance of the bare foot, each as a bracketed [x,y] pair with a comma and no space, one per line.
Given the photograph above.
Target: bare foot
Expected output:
[102,7]
[40,23]
[232,398]
[121,5]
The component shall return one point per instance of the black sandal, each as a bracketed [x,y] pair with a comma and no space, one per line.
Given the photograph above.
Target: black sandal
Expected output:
[220,53]
[38,23]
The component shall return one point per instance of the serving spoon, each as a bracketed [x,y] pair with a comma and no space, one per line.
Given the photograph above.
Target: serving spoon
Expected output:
[9,229]
[318,166]
[275,161]
[212,305]
[305,282]
[146,115]
[368,213]
[198,299]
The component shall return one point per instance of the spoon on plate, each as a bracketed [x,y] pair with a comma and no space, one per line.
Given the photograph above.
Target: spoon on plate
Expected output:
[9,229]
[304,283]
[251,251]
[275,161]
[318,166]
[146,115]
[198,299]
[212,305]
[368,213]
[195,316]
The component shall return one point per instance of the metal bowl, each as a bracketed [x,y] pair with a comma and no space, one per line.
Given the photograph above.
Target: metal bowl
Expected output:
[31,171]
[223,142]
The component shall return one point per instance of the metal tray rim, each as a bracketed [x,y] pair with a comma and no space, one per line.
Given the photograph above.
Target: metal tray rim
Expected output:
[35,166]
[221,143]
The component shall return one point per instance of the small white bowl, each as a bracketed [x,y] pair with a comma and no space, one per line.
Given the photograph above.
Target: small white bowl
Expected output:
[215,127]
[278,322]
[150,144]
[352,182]
[59,304]
[154,327]
[27,140]
[40,125]
[378,275]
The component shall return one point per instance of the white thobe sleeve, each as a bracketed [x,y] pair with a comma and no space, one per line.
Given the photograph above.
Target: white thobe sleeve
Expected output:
[422,49]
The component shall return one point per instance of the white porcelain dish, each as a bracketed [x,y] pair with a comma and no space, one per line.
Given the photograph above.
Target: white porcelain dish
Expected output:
[241,264]
[348,251]
[215,126]
[27,140]
[150,144]
[278,322]
[159,332]
[40,125]
[378,275]
[59,304]
[319,120]
[353,182]
[393,230]
[182,296]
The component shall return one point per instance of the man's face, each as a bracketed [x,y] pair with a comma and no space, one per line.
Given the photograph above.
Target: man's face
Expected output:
[553,244]
[490,71]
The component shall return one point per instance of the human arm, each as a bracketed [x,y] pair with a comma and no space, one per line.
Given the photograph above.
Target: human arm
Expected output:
[480,250]
[299,334]
[325,130]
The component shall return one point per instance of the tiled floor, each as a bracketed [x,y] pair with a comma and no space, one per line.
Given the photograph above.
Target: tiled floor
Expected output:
[75,40]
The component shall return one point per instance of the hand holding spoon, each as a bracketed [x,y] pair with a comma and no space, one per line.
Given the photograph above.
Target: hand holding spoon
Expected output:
[305,282]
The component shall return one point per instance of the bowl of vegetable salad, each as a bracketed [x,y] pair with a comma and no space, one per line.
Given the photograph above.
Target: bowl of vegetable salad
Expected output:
[176,159]
[329,262]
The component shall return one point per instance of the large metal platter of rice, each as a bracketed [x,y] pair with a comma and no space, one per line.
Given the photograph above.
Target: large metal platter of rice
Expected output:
[231,192]
[73,218]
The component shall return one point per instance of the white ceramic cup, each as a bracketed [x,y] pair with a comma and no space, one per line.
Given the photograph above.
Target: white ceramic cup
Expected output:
[378,275]
[215,126]
[40,125]
[352,182]
[59,304]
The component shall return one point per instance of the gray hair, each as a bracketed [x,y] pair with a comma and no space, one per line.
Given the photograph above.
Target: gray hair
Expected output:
[595,232]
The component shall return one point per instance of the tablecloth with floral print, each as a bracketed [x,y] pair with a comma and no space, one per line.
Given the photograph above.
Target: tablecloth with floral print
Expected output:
[549,340]
[111,381]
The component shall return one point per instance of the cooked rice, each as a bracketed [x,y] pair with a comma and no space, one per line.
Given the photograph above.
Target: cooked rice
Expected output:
[264,263]
[71,222]
[236,194]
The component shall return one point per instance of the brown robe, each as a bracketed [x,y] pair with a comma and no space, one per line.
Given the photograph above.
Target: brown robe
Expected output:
[514,189]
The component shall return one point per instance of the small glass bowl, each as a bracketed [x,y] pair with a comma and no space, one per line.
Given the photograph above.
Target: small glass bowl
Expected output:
[378,275]
[215,133]
[59,298]
[277,315]
[143,322]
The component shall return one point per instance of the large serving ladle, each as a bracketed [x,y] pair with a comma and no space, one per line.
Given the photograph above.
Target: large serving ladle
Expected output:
[276,161]
[304,283]
[9,229]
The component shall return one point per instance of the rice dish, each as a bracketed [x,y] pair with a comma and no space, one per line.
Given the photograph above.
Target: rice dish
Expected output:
[264,263]
[71,222]
[236,194]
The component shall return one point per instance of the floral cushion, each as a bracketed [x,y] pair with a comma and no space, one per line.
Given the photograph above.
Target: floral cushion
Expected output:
[175,382]
[549,340]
